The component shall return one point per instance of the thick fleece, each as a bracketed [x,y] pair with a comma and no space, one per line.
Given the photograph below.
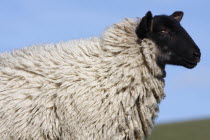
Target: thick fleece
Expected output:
[96,89]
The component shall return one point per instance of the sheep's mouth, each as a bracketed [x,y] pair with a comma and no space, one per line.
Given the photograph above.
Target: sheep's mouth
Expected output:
[189,63]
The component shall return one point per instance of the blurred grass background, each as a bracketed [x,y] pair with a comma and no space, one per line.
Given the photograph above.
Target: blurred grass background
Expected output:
[191,130]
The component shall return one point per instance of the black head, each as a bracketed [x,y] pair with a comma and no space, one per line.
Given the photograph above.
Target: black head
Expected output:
[174,43]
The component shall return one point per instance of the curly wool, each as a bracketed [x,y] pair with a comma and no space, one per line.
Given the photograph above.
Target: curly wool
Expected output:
[99,88]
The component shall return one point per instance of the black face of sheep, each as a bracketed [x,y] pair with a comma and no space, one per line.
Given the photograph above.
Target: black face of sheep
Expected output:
[175,45]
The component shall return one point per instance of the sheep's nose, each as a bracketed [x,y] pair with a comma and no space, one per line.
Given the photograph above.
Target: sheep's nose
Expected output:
[197,56]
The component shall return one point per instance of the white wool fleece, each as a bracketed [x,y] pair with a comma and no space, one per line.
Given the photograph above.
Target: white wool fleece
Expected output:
[96,89]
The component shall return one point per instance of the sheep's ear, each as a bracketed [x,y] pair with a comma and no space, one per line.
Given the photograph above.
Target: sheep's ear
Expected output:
[145,25]
[178,15]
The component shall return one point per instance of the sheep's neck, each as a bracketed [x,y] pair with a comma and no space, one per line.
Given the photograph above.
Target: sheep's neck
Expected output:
[136,76]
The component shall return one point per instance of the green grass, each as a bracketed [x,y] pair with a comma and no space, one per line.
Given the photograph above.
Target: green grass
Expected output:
[192,130]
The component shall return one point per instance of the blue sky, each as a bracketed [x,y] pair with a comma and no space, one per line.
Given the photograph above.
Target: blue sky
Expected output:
[24,22]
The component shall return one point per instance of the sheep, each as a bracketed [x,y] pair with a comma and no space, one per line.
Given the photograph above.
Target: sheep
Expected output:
[100,88]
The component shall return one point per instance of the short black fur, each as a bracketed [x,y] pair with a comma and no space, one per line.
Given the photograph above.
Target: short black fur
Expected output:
[175,45]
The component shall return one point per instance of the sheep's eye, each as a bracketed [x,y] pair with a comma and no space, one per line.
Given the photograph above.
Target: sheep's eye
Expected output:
[164,30]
